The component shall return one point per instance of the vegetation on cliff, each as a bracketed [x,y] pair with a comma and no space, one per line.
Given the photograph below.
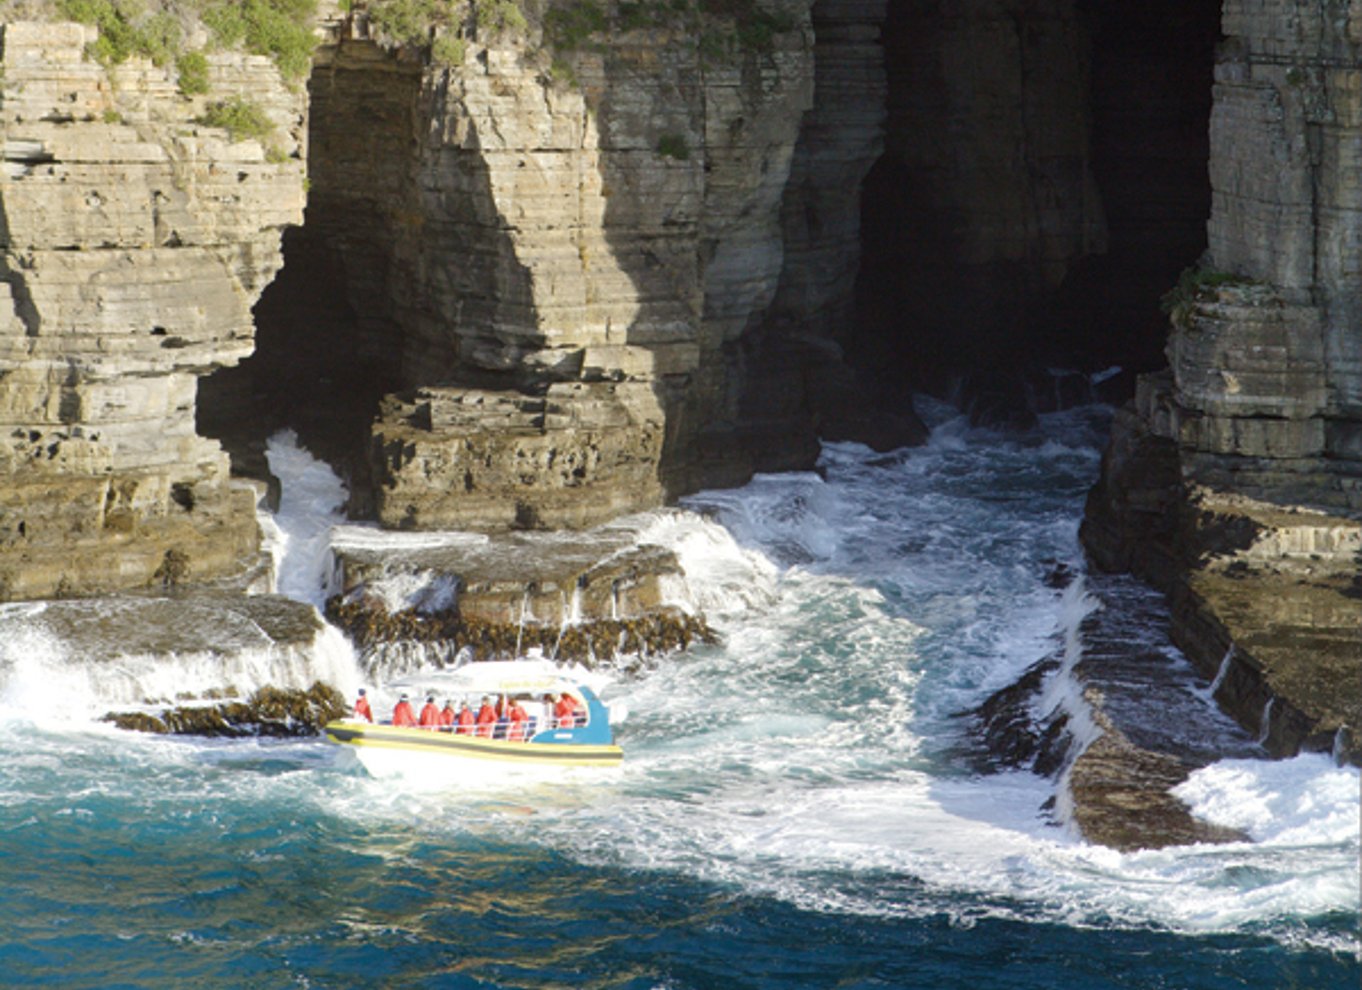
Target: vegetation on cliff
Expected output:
[1194,281]
[717,27]
[161,30]
[239,117]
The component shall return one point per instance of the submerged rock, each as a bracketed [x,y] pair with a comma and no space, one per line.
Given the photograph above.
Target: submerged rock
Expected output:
[269,711]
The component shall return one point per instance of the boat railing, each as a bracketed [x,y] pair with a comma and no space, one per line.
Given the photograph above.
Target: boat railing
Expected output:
[506,731]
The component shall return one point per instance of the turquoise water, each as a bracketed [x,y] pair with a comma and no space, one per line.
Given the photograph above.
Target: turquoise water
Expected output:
[790,813]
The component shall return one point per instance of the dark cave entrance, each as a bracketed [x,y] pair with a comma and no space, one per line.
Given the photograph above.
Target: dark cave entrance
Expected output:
[326,346]
[1043,184]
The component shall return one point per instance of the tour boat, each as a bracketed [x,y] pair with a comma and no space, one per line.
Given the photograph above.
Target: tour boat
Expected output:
[543,743]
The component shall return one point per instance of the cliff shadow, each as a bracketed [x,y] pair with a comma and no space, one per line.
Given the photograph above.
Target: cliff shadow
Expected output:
[1043,183]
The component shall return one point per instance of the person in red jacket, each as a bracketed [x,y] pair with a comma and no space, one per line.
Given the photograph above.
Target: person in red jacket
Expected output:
[487,718]
[518,718]
[362,709]
[430,715]
[447,716]
[565,711]
[402,713]
[463,722]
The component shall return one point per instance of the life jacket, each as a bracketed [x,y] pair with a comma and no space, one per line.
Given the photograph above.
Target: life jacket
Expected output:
[403,715]
[487,717]
[430,716]
[363,710]
[566,712]
[465,721]
[446,717]
[518,717]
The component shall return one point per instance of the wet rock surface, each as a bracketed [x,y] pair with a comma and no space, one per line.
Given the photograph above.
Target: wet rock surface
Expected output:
[373,628]
[510,578]
[1286,651]
[1263,595]
[1120,793]
[599,594]
[269,711]
[193,622]
[1133,719]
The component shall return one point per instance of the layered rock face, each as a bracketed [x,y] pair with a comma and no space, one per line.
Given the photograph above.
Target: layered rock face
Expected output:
[1235,480]
[1269,376]
[555,276]
[135,243]
[794,363]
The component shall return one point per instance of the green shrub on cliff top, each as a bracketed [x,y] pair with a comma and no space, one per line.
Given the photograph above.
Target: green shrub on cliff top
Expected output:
[448,49]
[192,68]
[281,29]
[569,25]
[410,22]
[126,28]
[240,117]
[442,24]
[499,15]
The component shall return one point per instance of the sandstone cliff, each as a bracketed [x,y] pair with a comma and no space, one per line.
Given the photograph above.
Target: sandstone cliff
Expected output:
[552,289]
[555,276]
[135,243]
[1235,479]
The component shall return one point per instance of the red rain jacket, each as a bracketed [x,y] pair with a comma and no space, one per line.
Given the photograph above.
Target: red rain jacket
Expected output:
[487,717]
[518,717]
[566,712]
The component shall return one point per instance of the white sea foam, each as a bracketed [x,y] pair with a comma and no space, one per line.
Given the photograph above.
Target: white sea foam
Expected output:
[799,758]
[1307,799]
[300,531]
[43,677]
[720,577]
[791,762]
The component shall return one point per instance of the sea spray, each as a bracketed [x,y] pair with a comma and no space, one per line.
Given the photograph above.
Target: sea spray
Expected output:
[1061,696]
[1221,673]
[309,506]
[1265,722]
[118,652]
[718,576]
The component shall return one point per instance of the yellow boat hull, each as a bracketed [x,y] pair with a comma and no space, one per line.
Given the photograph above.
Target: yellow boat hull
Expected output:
[391,741]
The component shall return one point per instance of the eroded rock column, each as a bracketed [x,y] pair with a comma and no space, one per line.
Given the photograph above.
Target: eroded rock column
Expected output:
[564,267]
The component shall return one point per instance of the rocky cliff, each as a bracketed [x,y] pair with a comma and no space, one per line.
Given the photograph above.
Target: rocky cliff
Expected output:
[531,290]
[135,242]
[553,276]
[1235,479]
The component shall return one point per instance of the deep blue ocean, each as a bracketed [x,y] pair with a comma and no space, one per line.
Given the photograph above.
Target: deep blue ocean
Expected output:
[792,811]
